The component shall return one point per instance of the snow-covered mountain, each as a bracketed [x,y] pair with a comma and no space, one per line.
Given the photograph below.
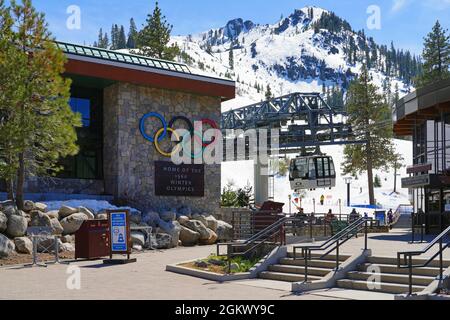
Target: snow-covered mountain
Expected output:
[310,50]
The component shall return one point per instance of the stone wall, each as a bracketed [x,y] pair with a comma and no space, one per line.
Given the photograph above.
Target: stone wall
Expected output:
[129,158]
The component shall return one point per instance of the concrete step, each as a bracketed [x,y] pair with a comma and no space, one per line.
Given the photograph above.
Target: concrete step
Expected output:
[286,277]
[393,288]
[390,278]
[320,272]
[393,261]
[393,269]
[331,257]
[328,264]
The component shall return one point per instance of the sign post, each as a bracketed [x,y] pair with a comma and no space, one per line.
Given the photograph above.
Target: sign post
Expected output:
[120,236]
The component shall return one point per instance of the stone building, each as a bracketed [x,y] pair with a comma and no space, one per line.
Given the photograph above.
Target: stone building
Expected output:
[113,92]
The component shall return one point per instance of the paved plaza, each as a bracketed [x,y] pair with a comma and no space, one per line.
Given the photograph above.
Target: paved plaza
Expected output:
[147,279]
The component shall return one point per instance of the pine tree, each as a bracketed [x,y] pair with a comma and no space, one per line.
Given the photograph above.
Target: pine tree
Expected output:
[436,56]
[122,39]
[269,94]
[368,116]
[37,126]
[153,39]
[132,35]
[231,58]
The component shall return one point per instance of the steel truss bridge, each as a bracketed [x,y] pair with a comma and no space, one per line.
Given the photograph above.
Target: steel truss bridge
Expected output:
[304,120]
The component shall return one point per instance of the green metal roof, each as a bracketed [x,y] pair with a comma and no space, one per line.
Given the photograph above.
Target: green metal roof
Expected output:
[115,56]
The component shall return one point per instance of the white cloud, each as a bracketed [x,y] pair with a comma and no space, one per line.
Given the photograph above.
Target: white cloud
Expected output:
[399,5]
[437,4]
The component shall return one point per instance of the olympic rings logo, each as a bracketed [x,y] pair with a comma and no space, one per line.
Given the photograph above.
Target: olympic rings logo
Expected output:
[168,130]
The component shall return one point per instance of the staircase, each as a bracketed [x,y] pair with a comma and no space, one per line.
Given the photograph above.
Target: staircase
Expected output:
[290,270]
[381,274]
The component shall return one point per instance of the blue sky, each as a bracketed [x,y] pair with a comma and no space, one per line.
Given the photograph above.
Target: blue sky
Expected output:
[405,22]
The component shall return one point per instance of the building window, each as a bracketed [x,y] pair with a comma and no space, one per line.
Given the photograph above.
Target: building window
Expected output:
[88,163]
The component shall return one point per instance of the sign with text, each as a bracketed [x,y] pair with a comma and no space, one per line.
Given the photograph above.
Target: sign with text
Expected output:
[416,182]
[120,231]
[179,180]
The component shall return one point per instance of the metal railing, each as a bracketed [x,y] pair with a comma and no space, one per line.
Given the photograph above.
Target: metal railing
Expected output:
[408,257]
[274,234]
[335,242]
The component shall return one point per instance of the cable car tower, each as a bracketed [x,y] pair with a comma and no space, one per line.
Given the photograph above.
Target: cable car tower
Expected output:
[304,122]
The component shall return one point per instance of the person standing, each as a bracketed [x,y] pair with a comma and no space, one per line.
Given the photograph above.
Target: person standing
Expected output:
[322,200]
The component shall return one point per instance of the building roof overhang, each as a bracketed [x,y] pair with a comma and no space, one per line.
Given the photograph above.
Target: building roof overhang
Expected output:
[111,66]
[424,104]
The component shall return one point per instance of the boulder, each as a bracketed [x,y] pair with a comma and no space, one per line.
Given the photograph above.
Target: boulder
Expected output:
[3,222]
[39,219]
[66,211]
[72,223]
[183,220]
[23,245]
[172,228]
[28,205]
[224,232]
[16,227]
[151,218]
[6,246]
[201,264]
[137,247]
[234,267]
[188,237]
[138,238]
[168,216]
[211,240]
[211,223]
[200,218]
[67,247]
[102,216]
[56,226]
[87,212]
[47,244]
[53,214]
[67,239]
[163,241]
[10,210]
[199,227]
[136,216]
[40,206]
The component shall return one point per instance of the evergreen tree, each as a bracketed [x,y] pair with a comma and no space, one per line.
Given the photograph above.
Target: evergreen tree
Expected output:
[153,39]
[37,125]
[231,58]
[436,56]
[368,116]
[132,35]
[122,39]
[269,94]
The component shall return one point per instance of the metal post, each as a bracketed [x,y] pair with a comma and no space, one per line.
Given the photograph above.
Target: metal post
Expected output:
[410,275]
[337,255]
[441,263]
[306,265]
[365,235]
[290,207]
[314,206]
[348,194]
[56,250]
[310,227]
[422,232]
[412,227]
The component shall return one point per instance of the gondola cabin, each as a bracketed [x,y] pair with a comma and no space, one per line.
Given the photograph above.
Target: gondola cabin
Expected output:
[312,172]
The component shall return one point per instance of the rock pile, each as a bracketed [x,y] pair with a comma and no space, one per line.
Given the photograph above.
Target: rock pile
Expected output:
[170,227]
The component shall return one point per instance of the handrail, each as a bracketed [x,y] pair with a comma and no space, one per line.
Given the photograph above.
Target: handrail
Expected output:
[408,257]
[257,240]
[346,234]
